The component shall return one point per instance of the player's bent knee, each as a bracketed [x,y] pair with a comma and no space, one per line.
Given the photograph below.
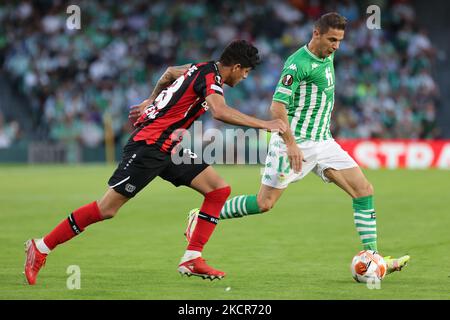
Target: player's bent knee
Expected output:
[110,204]
[370,189]
[365,190]
[108,213]
[265,206]
[223,185]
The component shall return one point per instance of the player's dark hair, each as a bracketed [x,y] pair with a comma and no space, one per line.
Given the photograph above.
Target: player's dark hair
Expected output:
[331,20]
[240,52]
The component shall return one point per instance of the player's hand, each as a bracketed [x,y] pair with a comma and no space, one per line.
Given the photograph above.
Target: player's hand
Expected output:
[137,110]
[295,156]
[276,125]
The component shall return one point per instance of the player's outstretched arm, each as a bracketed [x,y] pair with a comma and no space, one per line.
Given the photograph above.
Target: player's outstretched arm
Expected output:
[169,76]
[221,111]
[295,155]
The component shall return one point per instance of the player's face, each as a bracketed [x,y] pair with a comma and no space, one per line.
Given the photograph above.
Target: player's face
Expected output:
[238,73]
[329,42]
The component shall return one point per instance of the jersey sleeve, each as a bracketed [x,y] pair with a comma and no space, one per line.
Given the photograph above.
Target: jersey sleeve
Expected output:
[289,79]
[207,83]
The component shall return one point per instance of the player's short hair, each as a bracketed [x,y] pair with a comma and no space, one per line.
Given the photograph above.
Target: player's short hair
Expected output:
[331,20]
[240,52]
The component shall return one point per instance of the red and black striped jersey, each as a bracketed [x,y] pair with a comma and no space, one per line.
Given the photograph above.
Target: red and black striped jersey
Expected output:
[178,106]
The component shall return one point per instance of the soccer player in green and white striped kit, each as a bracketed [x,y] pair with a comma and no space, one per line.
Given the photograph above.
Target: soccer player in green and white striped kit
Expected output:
[304,98]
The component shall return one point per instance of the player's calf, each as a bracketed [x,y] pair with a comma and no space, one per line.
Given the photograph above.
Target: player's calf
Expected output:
[236,207]
[205,220]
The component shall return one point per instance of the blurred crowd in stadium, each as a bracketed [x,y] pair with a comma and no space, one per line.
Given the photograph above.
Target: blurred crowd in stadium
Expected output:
[384,86]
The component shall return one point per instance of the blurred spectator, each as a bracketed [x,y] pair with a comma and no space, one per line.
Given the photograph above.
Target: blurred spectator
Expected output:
[9,132]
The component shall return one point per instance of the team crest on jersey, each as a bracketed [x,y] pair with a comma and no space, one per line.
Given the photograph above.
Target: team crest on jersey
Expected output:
[287,80]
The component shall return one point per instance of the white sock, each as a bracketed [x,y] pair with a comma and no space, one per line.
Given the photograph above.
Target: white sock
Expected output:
[41,246]
[189,255]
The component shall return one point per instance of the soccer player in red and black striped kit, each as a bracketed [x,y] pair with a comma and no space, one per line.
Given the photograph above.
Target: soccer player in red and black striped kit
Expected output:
[181,96]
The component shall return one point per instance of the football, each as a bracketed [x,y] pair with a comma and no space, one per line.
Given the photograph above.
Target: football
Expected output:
[368,265]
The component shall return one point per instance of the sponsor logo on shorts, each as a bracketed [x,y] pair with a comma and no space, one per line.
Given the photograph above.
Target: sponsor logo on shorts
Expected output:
[130,188]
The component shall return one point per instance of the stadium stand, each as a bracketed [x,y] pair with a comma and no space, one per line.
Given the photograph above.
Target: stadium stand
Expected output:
[69,79]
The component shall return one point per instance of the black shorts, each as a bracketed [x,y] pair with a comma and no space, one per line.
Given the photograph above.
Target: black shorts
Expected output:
[141,163]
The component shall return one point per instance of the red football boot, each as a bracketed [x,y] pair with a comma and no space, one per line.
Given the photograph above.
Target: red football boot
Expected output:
[198,267]
[35,260]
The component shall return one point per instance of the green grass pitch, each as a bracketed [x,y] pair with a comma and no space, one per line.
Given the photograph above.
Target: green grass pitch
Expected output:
[300,250]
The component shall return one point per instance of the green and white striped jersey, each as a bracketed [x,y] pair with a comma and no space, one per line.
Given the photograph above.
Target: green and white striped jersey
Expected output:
[306,87]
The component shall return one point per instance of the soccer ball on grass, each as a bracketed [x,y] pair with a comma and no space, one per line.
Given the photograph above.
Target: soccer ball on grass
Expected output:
[368,266]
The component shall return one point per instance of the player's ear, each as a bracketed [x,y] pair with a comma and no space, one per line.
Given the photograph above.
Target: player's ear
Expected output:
[236,67]
[316,33]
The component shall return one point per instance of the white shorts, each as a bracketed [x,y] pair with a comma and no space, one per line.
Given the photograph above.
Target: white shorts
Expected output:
[318,157]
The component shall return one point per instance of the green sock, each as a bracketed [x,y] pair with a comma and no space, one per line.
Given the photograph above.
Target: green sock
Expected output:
[240,206]
[365,222]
